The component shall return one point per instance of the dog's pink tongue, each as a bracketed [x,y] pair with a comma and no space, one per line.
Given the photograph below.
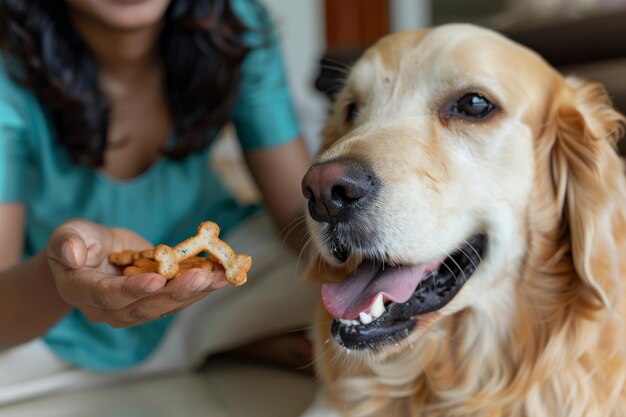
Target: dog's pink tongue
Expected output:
[357,293]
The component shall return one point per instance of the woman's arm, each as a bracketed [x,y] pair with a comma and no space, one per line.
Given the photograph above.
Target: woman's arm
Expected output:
[29,301]
[278,173]
[12,236]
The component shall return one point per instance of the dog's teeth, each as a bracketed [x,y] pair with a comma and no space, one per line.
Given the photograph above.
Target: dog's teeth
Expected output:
[378,308]
[365,318]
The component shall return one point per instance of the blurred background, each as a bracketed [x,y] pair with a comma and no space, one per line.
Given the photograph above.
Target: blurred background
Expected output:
[586,37]
[321,37]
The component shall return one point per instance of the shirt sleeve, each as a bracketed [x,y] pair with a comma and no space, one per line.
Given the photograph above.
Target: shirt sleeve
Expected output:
[13,149]
[264,115]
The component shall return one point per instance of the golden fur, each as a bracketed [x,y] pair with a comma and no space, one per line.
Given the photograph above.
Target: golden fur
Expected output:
[539,330]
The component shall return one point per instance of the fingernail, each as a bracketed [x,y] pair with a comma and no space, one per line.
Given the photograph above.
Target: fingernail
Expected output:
[68,253]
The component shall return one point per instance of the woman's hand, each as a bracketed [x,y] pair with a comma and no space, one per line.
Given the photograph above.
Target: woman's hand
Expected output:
[77,255]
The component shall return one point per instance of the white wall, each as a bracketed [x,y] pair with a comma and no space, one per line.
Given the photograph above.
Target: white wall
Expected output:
[410,14]
[300,24]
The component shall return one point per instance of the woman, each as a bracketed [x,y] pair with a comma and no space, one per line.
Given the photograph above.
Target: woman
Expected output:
[107,112]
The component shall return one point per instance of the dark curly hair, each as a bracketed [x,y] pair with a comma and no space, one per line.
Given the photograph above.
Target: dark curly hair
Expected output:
[202,46]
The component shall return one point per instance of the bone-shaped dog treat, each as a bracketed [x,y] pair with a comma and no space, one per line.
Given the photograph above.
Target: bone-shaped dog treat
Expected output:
[170,262]
[144,265]
[235,266]
[127,257]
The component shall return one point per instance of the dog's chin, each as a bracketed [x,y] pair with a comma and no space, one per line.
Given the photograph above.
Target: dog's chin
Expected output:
[378,304]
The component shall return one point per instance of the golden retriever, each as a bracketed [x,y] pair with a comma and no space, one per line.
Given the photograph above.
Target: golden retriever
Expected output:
[468,209]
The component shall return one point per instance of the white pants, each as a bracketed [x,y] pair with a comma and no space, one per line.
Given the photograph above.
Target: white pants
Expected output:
[274,299]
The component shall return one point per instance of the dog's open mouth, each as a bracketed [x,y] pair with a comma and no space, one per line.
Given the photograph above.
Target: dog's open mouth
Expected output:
[378,304]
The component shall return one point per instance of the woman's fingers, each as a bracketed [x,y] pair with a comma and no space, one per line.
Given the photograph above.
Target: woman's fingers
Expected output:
[67,249]
[79,243]
[116,292]
[179,293]
[130,301]
[87,287]
[196,280]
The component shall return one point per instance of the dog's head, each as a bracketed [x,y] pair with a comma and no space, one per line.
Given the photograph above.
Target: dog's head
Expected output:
[453,157]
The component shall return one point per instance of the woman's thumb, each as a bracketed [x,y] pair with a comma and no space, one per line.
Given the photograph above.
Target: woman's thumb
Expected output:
[68,247]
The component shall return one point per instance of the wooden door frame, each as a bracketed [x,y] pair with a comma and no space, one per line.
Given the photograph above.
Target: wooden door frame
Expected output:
[355,24]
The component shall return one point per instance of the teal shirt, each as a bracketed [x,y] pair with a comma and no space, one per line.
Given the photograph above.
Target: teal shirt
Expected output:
[175,195]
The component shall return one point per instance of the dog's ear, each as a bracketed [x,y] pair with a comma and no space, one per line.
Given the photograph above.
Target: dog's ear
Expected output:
[588,187]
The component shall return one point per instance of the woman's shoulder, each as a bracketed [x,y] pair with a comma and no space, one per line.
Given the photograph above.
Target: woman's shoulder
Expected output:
[13,94]
[14,97]
[253,14]
[21,113]
[8,73]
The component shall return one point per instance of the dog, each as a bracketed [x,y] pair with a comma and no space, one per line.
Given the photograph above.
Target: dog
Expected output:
[468,216]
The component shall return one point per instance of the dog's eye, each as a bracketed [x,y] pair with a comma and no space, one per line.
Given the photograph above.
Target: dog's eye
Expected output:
[352,111]
[473,105]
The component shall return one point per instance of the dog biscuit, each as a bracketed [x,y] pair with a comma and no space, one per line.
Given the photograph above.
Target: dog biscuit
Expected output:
[127,257]
[144,265]
[170,262]
[235,266]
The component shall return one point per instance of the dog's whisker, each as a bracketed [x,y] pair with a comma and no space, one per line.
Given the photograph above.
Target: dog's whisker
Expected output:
[338,62]
[425,370]
[330,67]
[344,66]
[314,361]
[289,227]
[440,334]
[334,66]
[314,326]
[303,251]
[458,266]
[476,252]
[469,258]
[448,268]
[334,87]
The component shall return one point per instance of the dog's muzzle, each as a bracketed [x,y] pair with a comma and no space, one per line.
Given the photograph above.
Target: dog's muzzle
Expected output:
[336,189]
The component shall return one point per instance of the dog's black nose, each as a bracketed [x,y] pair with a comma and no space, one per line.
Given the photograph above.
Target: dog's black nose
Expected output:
[336,188]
